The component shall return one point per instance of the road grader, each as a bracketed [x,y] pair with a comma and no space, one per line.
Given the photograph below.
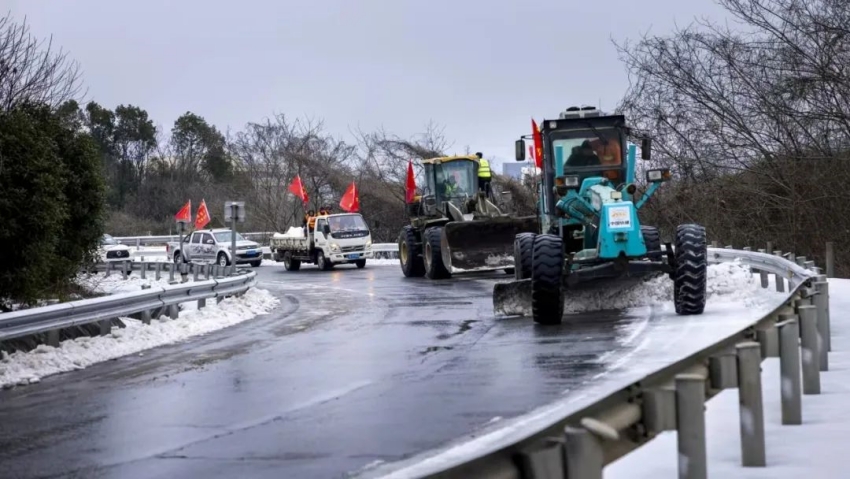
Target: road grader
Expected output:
[590,235]
[454,226]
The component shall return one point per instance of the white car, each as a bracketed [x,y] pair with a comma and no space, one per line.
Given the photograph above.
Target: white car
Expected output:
[112,250]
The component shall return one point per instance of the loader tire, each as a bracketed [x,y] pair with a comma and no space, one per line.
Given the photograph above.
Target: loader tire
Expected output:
[652,239]
[547,295]
[522,255]
[410,253]
[689,275]
[433,254]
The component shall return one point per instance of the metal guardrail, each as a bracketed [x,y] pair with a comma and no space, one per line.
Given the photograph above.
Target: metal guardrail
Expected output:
[580,444]
[382,250]
[146,304]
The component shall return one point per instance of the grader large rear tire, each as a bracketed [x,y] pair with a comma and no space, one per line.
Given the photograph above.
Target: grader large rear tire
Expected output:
[689,277]
[522,255]
[433,255]
[410,253]
[547,295]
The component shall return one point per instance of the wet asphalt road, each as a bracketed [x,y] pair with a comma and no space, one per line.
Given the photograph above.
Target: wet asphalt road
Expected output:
[353,367]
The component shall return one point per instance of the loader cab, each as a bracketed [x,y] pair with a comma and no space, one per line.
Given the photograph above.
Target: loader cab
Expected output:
[451,178]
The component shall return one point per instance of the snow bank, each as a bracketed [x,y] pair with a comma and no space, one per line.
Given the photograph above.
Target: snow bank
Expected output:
[726,282]
[29,367]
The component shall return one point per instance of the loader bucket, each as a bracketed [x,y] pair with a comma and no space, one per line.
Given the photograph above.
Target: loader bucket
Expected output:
[483,244]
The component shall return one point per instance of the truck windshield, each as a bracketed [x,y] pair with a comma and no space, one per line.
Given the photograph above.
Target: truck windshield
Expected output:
[347,223]
[224,236]
[589,152]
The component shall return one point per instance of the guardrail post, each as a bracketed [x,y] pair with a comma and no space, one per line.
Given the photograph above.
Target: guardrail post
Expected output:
[124,269]
[780,281]
[789,370]
[809,265]
[146,316]
[158,270]
[53,338]
[184,273]
[171,272]
[143,269]
[809,349]
[763,275]
[830,260]
[543,460]
[690,426]
[751,405]
[195,273]
[105,326]
[801,260]
[827,326]
[173,311]
[207,269]
[583,453]
[714,244]
[769,341]
[820,299]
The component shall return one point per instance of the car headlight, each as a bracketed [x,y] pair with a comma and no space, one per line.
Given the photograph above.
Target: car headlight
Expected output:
[334,247]
[368,244]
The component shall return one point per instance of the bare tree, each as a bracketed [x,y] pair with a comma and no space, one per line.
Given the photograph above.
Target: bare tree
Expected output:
[31,71]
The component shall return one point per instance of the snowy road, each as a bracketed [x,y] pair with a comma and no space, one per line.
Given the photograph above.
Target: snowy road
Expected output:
[355,366]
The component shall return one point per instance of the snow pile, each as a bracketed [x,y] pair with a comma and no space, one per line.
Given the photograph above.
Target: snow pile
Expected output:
[29,367]
[499,260]
[726,282]
[292,232]
[115,282]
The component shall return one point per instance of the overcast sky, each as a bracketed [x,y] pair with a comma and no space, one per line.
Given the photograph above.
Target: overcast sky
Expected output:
[478,68]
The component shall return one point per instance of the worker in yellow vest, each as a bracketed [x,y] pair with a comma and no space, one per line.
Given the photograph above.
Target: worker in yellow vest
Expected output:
[484,175]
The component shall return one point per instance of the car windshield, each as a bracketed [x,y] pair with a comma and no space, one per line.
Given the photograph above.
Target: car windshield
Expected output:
[108,240]
[347,223]
[224,236]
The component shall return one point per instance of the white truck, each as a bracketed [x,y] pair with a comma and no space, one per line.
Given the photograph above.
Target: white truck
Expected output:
[335,239]
[213,246]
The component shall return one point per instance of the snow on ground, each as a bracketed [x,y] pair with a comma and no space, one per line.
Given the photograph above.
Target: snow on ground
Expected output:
[817,448]
[726,282]
[369,262]
[115,282]
[28,367]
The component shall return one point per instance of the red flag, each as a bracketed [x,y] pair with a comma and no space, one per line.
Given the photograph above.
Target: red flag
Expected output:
[297,188]
[185,213]
[350,203]
[410,184]
[538,144]
[203,216]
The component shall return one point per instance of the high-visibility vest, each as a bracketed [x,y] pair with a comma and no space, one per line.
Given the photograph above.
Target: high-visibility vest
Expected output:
[483,168]
[311,221]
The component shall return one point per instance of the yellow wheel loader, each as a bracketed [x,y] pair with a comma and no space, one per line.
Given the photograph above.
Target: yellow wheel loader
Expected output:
[454,227]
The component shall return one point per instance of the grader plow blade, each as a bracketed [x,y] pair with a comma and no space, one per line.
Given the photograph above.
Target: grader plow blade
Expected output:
[513,298]
[483,244]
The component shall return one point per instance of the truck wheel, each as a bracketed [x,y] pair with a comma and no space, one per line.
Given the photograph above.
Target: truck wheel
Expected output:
[522,255]
[361,263]
[652,239]
[178,258]
[322,262]
[434,267]
[547,295]
[289,263]
[222,260]
[410,253]
[689,275]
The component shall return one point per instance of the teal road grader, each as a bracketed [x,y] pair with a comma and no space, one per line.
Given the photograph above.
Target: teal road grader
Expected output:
[590,235]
